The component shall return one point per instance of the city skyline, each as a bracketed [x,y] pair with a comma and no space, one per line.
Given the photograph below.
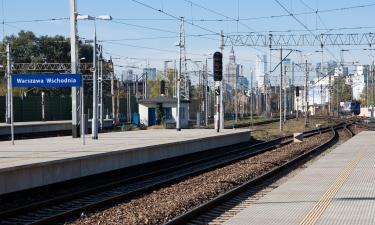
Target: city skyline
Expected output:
[140,35]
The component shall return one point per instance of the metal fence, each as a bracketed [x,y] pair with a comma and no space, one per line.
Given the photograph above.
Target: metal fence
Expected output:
[57,108]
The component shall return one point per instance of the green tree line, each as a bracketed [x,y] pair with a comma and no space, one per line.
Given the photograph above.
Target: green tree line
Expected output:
[29,48]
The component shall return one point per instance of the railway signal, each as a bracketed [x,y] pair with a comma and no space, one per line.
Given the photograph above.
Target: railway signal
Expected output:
[218,66]
[218,77]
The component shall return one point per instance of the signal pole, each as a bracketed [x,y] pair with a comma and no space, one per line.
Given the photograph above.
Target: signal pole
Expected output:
[218,76]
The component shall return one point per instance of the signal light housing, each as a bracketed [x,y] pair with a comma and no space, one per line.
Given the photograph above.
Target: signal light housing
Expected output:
[218,66]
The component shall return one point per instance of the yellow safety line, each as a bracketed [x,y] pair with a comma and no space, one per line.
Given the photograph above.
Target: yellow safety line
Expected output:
[318,209]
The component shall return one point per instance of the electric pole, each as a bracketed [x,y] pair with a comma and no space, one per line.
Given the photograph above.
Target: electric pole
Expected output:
[205,93]
[74,68]
[179,77]
[94,121]
[306,93]
[113,93]
[10,90]
[285,94]
[281,91]
[9,86]
[221,85]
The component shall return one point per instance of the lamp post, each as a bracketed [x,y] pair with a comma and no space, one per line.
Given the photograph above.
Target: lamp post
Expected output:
[94,121]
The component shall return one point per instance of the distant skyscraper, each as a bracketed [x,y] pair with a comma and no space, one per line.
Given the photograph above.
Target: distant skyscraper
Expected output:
[287,78]
[232,71]
[151,73]
[260,70]
[127,75]
[360,80]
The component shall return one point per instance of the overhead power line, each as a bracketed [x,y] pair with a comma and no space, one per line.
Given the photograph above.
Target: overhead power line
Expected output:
[227,19]
[144,27]
[160,37]
[219,14]
[173,16]
[149,48]
[36,20]
[302,24]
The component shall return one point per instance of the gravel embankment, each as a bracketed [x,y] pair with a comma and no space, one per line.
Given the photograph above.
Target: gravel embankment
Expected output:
[166,203]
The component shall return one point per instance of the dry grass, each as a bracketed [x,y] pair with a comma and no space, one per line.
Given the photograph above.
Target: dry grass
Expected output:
[271,131]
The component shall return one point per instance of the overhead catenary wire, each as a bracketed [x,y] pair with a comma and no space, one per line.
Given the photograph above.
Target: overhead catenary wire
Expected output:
[149,48]
[159,37]
[220,14]
[302,24]
[173,16]
[259,17]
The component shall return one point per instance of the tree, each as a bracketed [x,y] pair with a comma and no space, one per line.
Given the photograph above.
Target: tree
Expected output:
[28,48]
[341,92]
[370,95]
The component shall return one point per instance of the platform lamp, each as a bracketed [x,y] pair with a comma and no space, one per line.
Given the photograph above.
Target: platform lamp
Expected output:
[94,121]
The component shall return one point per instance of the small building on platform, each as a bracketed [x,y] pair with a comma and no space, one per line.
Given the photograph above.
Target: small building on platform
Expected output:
[151,110]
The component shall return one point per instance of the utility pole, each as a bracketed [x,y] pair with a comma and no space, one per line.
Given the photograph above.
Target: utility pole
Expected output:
[113,93]
[175,74]
[367,99]
[10,90]
[94,121]
[268,95]
[118,102]
[373,88]
[101,118]
[74,68]
[285,95]
[9,87]
[251,98]
[321,73]
[306,93]
[281,91]
[235,99]
[179,77]
[221,85]
[206,93]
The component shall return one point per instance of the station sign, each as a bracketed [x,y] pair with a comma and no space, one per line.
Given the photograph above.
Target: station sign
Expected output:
[46,80]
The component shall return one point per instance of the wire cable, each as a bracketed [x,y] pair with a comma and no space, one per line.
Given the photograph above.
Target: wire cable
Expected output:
[172,16]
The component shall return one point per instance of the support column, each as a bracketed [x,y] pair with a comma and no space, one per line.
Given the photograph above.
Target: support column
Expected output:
[74,68]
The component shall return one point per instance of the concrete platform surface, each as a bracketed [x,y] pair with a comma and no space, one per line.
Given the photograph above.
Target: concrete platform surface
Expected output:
[36,162]
[338,188]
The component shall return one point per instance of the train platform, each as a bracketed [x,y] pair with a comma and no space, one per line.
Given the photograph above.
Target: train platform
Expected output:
[338,188]
[40,127]
[37,162]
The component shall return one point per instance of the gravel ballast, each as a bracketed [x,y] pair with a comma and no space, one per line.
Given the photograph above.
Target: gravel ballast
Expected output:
[166,203]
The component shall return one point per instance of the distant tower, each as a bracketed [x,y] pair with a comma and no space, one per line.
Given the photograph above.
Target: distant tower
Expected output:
[260,70]
[232,70]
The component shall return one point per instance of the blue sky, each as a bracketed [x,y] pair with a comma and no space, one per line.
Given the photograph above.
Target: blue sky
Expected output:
[127,11]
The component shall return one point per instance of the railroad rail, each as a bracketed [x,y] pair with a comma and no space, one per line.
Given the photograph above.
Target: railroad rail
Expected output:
[63,207]
[251,190]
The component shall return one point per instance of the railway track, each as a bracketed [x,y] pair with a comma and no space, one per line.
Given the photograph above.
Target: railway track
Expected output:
[63,207]
[225,206]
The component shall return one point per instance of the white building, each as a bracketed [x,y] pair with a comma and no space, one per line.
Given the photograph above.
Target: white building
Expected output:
[260,70]
[359,80]
[148,110]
